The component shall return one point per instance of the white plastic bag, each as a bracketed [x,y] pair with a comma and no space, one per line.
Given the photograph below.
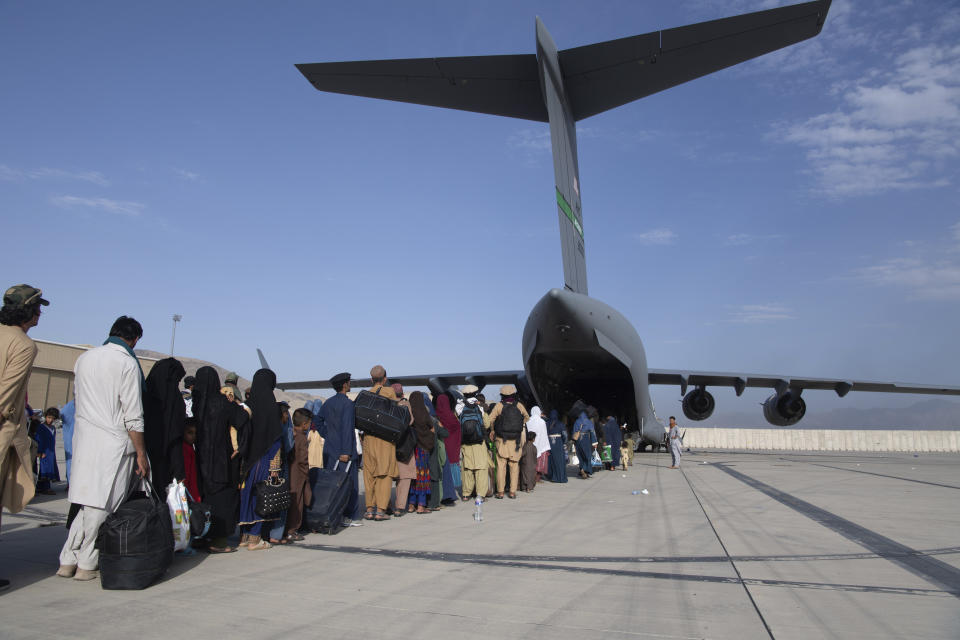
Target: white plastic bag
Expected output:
[179,515]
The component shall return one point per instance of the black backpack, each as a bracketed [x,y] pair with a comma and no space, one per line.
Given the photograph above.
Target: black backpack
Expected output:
[471,424]
[509,424]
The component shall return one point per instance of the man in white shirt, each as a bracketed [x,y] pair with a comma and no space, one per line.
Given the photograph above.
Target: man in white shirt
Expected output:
[674,441]
[108,444]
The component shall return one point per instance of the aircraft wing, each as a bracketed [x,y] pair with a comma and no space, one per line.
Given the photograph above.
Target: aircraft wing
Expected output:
[741,381]
[481,379]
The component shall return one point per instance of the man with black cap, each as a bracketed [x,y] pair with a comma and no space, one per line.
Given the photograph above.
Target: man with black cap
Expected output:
[335,423]
[508,419]
[20,313]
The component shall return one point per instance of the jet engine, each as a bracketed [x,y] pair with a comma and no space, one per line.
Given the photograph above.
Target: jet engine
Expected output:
[698,404]
[784,410]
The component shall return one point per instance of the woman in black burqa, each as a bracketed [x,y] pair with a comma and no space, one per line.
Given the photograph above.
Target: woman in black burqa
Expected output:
[262,455]
[217,466]
[164,414]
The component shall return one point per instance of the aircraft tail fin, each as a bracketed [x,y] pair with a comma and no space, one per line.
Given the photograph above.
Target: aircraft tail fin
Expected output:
[562,87]
[263,360]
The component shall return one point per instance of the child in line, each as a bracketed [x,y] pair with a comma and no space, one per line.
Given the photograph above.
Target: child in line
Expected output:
[46,467]
[300,493]
[624,454]
[190,459]
[528,464]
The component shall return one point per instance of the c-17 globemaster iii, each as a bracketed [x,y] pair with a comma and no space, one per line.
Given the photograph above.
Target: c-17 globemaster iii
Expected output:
[575,347]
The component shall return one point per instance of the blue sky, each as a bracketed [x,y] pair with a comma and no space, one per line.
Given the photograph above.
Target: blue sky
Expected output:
[797,214]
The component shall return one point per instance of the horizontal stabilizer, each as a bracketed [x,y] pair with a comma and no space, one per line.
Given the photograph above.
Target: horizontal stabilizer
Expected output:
[605,75]
[498,85]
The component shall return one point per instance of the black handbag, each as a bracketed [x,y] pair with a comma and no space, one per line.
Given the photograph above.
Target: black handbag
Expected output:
[406,445]
[272,496]
[201,515]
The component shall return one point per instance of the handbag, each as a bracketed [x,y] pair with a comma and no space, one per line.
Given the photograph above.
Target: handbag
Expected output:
[200,516]
[272,496]
[406,445]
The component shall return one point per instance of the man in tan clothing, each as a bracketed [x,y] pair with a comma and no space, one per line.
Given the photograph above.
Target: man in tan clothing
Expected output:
[379,458]
[507,422]
[20,313]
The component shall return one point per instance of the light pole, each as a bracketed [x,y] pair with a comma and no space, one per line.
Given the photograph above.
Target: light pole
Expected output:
[176,318]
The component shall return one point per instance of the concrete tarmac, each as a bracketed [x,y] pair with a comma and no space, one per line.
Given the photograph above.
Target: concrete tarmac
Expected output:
[732,545]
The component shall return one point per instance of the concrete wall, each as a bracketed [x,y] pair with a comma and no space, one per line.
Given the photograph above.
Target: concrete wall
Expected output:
[51,378]
[823,439]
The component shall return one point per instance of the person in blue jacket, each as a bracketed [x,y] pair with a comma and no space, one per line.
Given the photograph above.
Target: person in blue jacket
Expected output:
[585,437]
[336,426]
[46,466]
[67,414]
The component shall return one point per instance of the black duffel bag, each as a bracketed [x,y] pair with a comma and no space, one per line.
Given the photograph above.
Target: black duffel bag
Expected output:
[272,496]
[201,515]
[380,416]
[136,542]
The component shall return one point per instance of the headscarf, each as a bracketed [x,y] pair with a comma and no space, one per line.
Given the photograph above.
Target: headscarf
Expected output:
[265,426]
[213,413]
[422,424]
[429,405]
[449,420]
[554,426]
[164,415]
[536,425]
[611,433]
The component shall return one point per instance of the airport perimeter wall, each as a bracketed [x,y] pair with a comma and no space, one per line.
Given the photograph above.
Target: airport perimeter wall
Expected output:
[823,439]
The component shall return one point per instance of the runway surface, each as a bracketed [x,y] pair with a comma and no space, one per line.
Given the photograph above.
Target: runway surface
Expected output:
[733,545]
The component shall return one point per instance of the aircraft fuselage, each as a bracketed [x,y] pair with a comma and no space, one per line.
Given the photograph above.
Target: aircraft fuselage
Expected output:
[576,347]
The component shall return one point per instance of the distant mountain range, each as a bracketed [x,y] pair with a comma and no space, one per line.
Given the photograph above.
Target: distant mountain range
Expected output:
[937,414]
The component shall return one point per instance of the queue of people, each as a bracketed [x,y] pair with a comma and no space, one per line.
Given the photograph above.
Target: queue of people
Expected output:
[225,446]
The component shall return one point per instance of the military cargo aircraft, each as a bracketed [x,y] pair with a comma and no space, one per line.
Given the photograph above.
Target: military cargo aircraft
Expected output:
[574,346]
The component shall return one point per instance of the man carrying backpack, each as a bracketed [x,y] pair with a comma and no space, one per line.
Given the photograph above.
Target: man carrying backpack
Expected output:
[474,460]
[508,419]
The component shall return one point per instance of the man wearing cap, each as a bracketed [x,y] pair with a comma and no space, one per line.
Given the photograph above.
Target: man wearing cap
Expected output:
[474,461]
[19,314]
[379,458]
[231,381]
[509,448]
[335,424]
[108,442]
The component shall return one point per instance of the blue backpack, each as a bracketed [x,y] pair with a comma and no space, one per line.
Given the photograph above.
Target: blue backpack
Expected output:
[471,424]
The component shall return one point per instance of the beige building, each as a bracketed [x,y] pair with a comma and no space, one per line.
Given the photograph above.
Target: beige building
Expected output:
[51,379]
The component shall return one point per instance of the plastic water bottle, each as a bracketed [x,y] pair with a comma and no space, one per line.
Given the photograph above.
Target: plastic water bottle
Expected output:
[478,511]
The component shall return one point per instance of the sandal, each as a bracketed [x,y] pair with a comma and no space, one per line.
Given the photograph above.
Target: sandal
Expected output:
[399,513]
[498,496]
[368,515]
[422,510]
[294,537]
[380,517]
[221,549]
[512,496]
[411,509]
[263,544]
[280,541]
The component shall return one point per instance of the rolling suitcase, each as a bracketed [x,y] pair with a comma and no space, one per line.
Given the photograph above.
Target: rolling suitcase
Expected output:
[331,492]
[379,416]
[136,542]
